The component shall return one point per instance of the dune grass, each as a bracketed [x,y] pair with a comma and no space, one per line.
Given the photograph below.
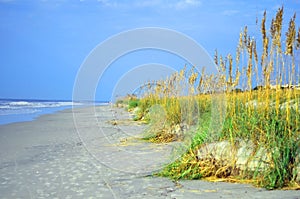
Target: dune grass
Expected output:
[211,108]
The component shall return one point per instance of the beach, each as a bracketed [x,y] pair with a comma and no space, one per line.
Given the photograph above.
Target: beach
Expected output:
[95,153]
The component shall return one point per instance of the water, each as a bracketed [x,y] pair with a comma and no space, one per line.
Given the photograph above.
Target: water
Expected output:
[14,110]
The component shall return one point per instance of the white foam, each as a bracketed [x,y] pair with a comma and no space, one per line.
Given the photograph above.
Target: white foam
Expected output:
[8,107]
[20,103]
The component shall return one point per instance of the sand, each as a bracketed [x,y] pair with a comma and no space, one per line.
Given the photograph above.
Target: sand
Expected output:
[95,153]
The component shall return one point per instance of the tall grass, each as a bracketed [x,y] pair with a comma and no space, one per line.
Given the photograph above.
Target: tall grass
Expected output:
[267,117]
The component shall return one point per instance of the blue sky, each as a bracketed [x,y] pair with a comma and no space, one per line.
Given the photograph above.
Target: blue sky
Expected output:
[44,42]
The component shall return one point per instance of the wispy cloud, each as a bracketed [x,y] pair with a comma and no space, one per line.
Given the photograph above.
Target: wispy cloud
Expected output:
[183,4]
[110,3]
[147,3]
[176,4]
[230,12]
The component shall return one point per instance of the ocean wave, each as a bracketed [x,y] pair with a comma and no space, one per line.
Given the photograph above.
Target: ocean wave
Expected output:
[20,103]
[26,104]
[13,107]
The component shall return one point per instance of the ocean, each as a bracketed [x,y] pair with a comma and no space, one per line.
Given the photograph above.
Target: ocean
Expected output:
[16,110]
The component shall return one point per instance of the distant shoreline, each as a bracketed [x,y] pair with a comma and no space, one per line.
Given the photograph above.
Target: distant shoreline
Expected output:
[24,110]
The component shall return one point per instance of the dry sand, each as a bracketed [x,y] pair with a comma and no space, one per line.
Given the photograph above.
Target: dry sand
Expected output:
[80,154]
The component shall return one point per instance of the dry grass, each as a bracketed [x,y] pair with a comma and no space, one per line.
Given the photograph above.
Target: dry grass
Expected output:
[267,116]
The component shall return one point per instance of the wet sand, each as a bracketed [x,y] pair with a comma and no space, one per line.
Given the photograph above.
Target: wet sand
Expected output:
[87,153]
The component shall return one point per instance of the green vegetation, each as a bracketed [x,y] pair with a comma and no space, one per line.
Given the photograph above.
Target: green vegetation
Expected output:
[203,106]
[132,103]
[129,102]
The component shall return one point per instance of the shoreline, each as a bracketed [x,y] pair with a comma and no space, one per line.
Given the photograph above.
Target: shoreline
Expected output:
[33,117]
[50,157]
[21,110]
